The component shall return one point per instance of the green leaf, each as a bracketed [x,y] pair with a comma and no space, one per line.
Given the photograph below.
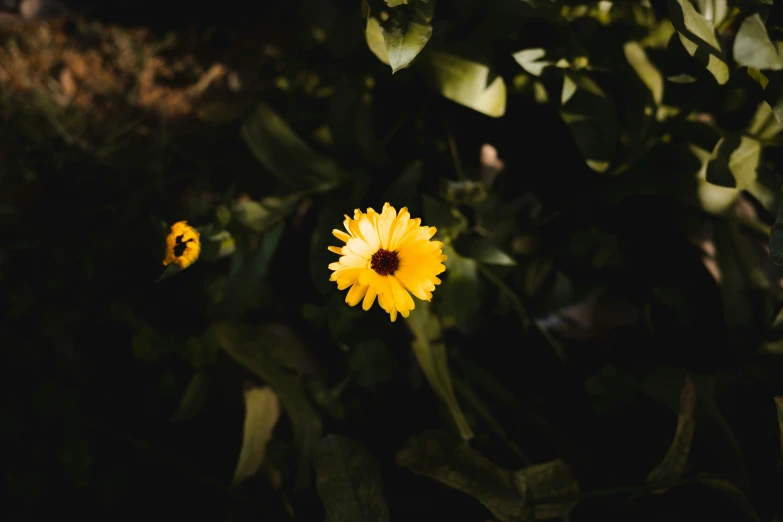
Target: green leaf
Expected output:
[262,410]
[405,29]
[458,297]
[404,191]
[734,162]
[753,48]
[763,125]
[548,479]
[349,481]
[482,249]
[467,83]
[351,119]
[448,220]
[285,155]
[647,72]
[592,118]
[371,362]
[697,35]
[673,463]
[452,462]
[243,289]
[250,347]
[194,398]
[530,60]
[431,355]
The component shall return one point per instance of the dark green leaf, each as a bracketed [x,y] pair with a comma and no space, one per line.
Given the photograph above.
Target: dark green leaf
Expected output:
[194,398]
[452,462]
[733,493]
[448,220]
[349,481]
[285,155]
[250,347]
[752,47]
[458,297]
[371,363]
[404,191]
[482,249]
[431,354]
[243,289]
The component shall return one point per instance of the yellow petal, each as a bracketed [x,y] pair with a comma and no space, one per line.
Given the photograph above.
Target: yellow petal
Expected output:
[342,236]
[369,298]
[355,294]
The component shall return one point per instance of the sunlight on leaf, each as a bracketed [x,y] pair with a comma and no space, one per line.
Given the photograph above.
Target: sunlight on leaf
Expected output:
[397,33]
[734,162]
[262,409]
[431,354]
[349,481]
[763,125]
[698,34]
[528,59]
[484,250]
[647,72]
[753,48]
[466,82]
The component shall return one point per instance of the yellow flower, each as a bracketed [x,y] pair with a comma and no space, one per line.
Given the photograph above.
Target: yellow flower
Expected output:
[182,245]
[387,255]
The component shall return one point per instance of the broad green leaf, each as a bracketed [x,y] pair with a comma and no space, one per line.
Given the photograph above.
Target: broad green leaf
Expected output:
[404,191]
[753,48]
[714,11]
[758,77]
[431,355]
[349,481]
[262,410]
[647,72]
[734,162]
[549,479]
[215,247]
[194,398]
[482,249]
[673,463]
[467,83]
[530,60]
[452,462]
[772,83]
[242,292]
[285,155]
[763,125]
[375,41]
[404,28]
[698,34]
[249,347]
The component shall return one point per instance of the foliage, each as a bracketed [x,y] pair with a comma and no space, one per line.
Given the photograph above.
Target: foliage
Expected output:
[606,342]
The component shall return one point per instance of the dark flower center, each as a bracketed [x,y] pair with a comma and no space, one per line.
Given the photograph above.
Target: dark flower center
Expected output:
[384,262]
[180,246]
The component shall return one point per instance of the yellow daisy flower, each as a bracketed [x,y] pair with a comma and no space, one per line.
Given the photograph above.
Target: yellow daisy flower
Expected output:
[182,245]
[387,255]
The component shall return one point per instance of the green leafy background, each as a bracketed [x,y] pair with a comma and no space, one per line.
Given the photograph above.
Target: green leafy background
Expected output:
[606,343]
